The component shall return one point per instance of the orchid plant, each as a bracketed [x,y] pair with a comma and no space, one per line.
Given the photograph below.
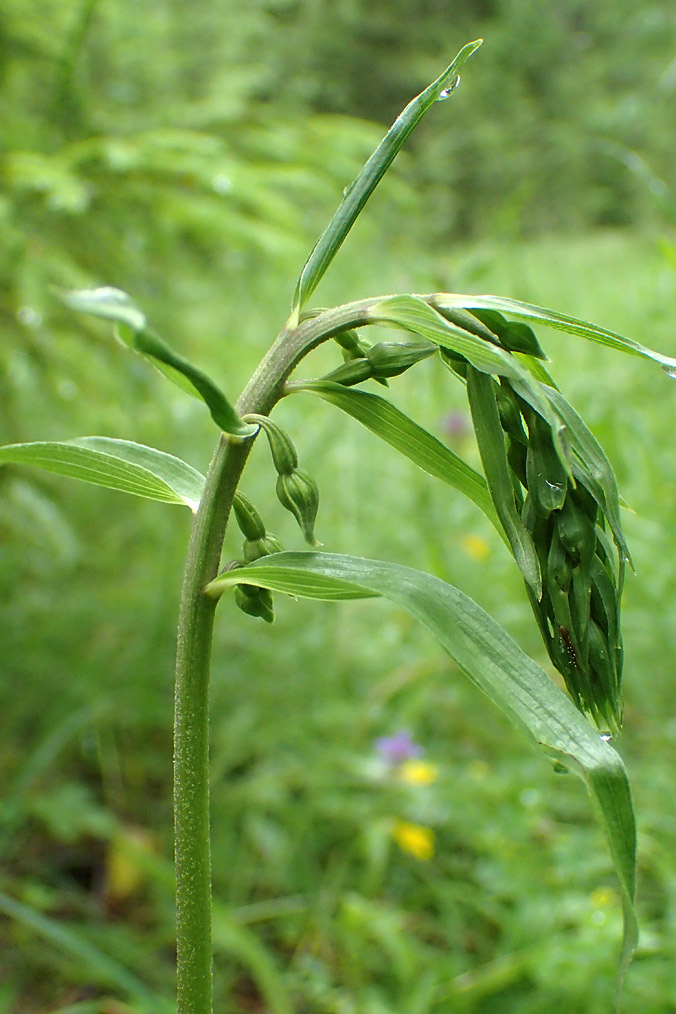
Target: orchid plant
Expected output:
[546,486]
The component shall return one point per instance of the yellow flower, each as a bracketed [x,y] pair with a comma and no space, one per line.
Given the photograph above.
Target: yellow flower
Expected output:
[418,772]
[476,547]
[414,839]
[602,897]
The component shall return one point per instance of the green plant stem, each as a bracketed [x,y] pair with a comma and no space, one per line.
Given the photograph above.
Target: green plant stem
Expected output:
[195,630]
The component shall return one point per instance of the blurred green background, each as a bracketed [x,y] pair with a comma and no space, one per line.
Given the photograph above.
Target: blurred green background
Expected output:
[190,154]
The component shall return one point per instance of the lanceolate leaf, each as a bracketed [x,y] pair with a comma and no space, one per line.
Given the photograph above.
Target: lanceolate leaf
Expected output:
[558,321]
[491,441]
[358,193]
[118,464]
[413,314]
[386,421]
[495,663]
[116,305]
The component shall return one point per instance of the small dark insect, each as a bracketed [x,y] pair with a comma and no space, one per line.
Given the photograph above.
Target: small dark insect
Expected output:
[565,637]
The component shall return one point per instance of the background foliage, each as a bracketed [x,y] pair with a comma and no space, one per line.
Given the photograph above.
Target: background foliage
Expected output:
[191,161]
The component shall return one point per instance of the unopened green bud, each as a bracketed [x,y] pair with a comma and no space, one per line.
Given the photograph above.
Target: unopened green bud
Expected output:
[390,359]
[559,566]
[283,452]
[255,601]
[257,541]
[352,345]
[298,492]
[606,683]
[484,324]
[545,474]
[513,335]
[577,532]
[355,367]
[585,499]
[519,337]
[517,454]
[349,373]
[255,548]
[510,413]
[249,520]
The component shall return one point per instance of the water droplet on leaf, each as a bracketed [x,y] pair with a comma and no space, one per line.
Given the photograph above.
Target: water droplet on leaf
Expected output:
[669,370]
[606,737]
[451,88]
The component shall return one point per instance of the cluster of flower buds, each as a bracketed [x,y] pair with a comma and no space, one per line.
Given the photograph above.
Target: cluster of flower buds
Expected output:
[296,489]
[555,494]
[354,349]
[363,361]
[257,542]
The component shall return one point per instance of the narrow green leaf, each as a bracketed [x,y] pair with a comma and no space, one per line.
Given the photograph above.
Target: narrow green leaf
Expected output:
[117,464]
[413,314]
[118,306]
[491,441]
[558,321]
[491,660]
[244,945]
[536,369]
[359,191]
[415,443]
[101,968]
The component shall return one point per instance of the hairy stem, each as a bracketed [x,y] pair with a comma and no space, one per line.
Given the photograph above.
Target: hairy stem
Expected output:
[195,629]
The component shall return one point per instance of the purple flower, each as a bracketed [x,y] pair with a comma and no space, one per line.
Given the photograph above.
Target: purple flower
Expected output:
[398,748]
[455,425]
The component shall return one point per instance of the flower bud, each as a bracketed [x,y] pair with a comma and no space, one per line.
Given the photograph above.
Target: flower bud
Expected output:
[349,373]
[579,612]
[513,335]
[257,541]
[351,344]
[298,492]
[249,520]
[545,474]
[255,601]
[253,549]
[283,452]
[390,359]
[577,532]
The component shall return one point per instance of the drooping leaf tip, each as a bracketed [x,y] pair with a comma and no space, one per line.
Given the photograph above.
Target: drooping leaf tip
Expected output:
[104,301]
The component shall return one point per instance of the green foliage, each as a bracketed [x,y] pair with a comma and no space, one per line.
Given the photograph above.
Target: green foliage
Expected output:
[531,147]
[358,192]
[178,168]
[118,464]
[484,652]
[424,449]
[467,925]
[132,329]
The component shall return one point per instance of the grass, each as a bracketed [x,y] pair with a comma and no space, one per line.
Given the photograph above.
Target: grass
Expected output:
[318,909]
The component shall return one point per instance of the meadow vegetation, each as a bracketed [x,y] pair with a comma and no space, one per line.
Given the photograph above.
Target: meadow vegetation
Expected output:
[469,878]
